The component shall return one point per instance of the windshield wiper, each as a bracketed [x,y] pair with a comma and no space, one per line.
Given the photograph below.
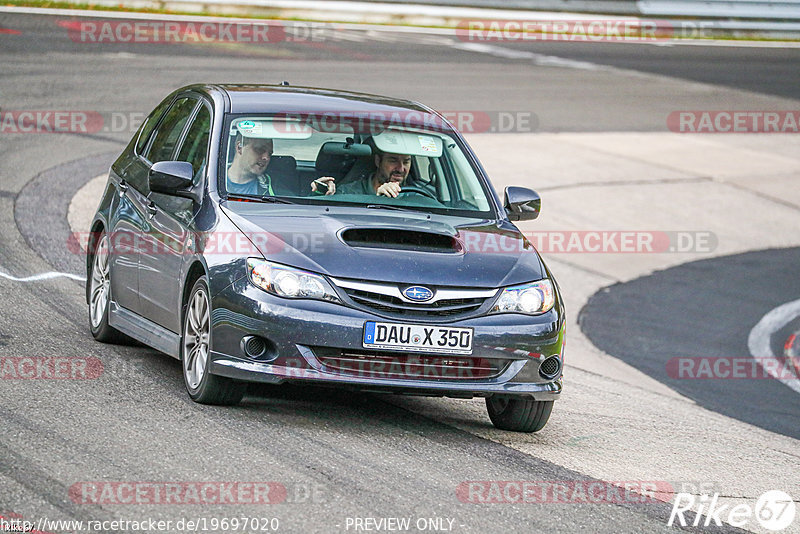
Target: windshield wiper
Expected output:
[387,207]
[254,198]
[276,200]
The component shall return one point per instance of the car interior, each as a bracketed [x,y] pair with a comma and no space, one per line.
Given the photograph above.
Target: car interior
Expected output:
[291,177]
[299,158]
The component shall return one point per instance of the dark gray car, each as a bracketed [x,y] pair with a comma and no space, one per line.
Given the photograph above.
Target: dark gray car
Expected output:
[275,234]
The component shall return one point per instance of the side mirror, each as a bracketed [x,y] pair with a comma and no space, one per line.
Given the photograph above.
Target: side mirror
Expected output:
[173,178]
[522,204]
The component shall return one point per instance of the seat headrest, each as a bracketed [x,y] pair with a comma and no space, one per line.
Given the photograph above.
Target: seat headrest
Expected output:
[330,163]
[278,164]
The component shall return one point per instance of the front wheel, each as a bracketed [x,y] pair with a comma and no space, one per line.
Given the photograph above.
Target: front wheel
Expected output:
[202,386]
[99,282]
[519,414]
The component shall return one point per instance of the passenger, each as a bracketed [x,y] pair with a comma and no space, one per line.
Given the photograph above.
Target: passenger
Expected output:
[247,174]
[390,175]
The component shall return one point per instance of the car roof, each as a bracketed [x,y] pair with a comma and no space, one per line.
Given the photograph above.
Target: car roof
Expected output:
[246,98]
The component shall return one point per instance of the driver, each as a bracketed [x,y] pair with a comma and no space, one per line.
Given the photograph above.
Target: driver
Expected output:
[392,171]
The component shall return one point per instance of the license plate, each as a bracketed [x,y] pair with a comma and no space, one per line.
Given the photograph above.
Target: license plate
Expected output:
[417,338]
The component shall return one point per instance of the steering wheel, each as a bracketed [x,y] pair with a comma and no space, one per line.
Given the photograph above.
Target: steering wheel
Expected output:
[420,190]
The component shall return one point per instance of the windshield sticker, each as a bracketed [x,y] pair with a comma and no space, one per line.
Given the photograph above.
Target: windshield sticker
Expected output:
[427,143]
[249,128]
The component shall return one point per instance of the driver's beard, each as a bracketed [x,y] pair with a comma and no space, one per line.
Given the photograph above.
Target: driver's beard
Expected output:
[388,178]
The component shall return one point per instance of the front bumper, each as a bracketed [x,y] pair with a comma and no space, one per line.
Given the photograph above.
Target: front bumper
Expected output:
[299,331]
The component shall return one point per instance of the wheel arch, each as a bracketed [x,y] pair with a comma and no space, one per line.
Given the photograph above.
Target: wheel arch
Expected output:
[195,271]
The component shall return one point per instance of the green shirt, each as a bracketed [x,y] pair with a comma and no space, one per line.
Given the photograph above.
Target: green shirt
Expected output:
[359,187]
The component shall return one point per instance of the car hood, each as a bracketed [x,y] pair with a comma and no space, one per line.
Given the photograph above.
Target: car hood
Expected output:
[389,246]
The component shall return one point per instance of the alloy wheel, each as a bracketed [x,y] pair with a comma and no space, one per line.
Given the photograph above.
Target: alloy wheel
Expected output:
[195,338]
[98,296]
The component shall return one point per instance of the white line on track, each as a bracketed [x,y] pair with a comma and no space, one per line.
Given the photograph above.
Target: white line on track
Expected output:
[538,59]
[759,340]
[43,276]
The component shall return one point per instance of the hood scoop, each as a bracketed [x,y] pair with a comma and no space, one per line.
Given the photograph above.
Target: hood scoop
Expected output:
[401,239]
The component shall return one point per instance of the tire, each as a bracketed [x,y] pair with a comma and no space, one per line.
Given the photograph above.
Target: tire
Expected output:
[202,386]
[98,285]
[519,414]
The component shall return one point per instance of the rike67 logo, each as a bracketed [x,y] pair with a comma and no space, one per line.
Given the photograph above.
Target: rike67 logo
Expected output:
[775,510]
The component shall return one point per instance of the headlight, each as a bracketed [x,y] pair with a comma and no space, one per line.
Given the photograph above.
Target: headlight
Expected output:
[289,282]
[533,298]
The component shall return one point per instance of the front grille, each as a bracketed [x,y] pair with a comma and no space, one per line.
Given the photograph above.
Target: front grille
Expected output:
[410,366]
[390,304]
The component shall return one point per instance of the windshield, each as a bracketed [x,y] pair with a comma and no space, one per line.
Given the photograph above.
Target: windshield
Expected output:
[279,157]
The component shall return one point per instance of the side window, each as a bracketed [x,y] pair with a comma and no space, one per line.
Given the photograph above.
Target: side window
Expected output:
[150,124]
[430,173]
[169,131]
[195,146]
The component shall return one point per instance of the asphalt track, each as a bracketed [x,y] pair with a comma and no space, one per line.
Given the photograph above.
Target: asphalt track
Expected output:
[748,69]
[365,455]
[663,318]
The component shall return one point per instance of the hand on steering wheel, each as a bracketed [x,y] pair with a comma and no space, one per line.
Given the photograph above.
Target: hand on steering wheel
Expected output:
[389,189]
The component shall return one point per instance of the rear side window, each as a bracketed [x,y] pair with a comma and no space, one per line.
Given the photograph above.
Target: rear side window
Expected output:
[149,125]
[170,129]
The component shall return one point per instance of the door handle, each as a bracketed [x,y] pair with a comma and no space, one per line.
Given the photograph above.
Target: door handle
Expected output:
[123,188]
[152,209]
